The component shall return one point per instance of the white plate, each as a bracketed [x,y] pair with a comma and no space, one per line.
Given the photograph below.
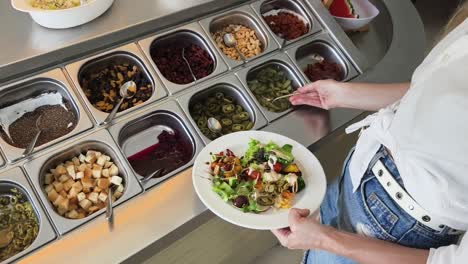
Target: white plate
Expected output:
[311,197]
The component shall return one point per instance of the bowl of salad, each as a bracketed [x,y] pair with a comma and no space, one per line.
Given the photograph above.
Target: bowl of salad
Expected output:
[59,14]
[253,178]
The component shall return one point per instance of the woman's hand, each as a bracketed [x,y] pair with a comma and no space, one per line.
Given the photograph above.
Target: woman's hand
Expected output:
[324,94]
[303,232]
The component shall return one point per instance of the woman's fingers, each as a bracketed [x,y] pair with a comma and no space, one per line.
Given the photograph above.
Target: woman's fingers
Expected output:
[282,235]
[295,215]
[306,100]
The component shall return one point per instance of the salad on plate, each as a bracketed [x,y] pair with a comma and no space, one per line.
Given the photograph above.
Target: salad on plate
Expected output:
[265,177]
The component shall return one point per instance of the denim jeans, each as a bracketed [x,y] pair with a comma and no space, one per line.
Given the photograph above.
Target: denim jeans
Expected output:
[371,212]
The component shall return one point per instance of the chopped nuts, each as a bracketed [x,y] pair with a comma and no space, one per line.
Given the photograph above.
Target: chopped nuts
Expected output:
[79,187]
[247,41]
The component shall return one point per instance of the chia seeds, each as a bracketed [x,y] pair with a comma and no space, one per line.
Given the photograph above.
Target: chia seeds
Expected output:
[56,121]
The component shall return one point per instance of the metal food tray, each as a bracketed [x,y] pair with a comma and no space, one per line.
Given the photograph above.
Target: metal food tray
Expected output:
[297,6]
[323,45]
[15,178]
[101,141]
[243,15]
[231,86]
[2,160]
[280,61]
[192,33]
[126,53]
[143,125]
[50,81]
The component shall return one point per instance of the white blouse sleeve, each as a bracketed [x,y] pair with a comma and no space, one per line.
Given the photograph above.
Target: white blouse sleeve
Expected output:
[453,254]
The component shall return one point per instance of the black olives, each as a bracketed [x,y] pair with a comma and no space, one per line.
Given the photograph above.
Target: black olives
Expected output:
[240,201]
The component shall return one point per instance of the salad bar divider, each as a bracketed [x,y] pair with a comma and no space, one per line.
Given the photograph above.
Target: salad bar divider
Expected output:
[162,112]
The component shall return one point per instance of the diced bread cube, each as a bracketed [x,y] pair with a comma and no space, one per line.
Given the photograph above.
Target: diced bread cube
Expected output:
[93,209]
[117,195]
[82,158]
[49,178]
[79,175]
[72,193]
[63,204]
[116,180]
[93,197]
[97,171]
[63,193]
[81,215]
[68,184]
[61,211]
[82,167]
[90,159]
[48,188]
[60,170]
[103,183]
[78,186]
[108,164]
[120,188]
[71,171]
[85,204]
[73,206]
[68,163]
[55,173]
[101,161]
[63,178]
[105,173]
[96,189]
[88,173]
[113,170]
[52,195]
[58,186]
[87,184]
[102,196]
[73,214]
[81,196]
[76,161]
[98,154]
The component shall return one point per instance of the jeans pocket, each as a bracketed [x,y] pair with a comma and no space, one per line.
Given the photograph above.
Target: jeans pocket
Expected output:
[380,218]
[421,237]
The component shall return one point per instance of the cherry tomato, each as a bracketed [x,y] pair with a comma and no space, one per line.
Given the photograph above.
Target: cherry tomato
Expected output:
[277,167]
[227,167]
[254,175]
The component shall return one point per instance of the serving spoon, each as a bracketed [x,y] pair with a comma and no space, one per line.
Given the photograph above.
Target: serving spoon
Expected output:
[125,94]
[214,125]
[231,42]
[188,65]
[30,148]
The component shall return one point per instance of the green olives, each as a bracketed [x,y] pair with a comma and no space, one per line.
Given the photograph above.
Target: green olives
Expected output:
[232,116]
[269,83]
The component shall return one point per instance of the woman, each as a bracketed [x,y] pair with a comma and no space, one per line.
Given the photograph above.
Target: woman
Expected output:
[403,195]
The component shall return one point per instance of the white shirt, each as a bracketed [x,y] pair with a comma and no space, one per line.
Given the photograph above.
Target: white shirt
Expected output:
[427,134]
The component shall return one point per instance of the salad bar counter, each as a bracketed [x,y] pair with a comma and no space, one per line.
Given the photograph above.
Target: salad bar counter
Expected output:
[184,74]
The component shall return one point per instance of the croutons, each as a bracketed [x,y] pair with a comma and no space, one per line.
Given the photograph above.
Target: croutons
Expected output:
[79,187]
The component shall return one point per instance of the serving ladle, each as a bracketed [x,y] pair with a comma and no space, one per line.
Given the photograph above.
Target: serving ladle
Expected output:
[158,173]
[6,236]
[30,148]
[231,42]
[188,65]
[125,93]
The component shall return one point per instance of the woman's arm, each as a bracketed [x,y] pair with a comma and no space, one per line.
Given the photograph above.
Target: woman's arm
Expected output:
[329,94]
[306,233]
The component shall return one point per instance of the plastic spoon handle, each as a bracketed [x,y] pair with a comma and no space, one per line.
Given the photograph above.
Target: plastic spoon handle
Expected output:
[114,111]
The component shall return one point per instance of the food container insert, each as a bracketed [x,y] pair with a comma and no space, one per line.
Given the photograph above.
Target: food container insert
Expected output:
[278,62]
[25,96]
[230,86]
[100,141]
[15,179]
[125,54]
[139,133]
[268,7]
[245,16]
[191,33]
[302,54]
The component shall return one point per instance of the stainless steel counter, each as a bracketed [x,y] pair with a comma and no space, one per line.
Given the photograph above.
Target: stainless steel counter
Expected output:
[171,209]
